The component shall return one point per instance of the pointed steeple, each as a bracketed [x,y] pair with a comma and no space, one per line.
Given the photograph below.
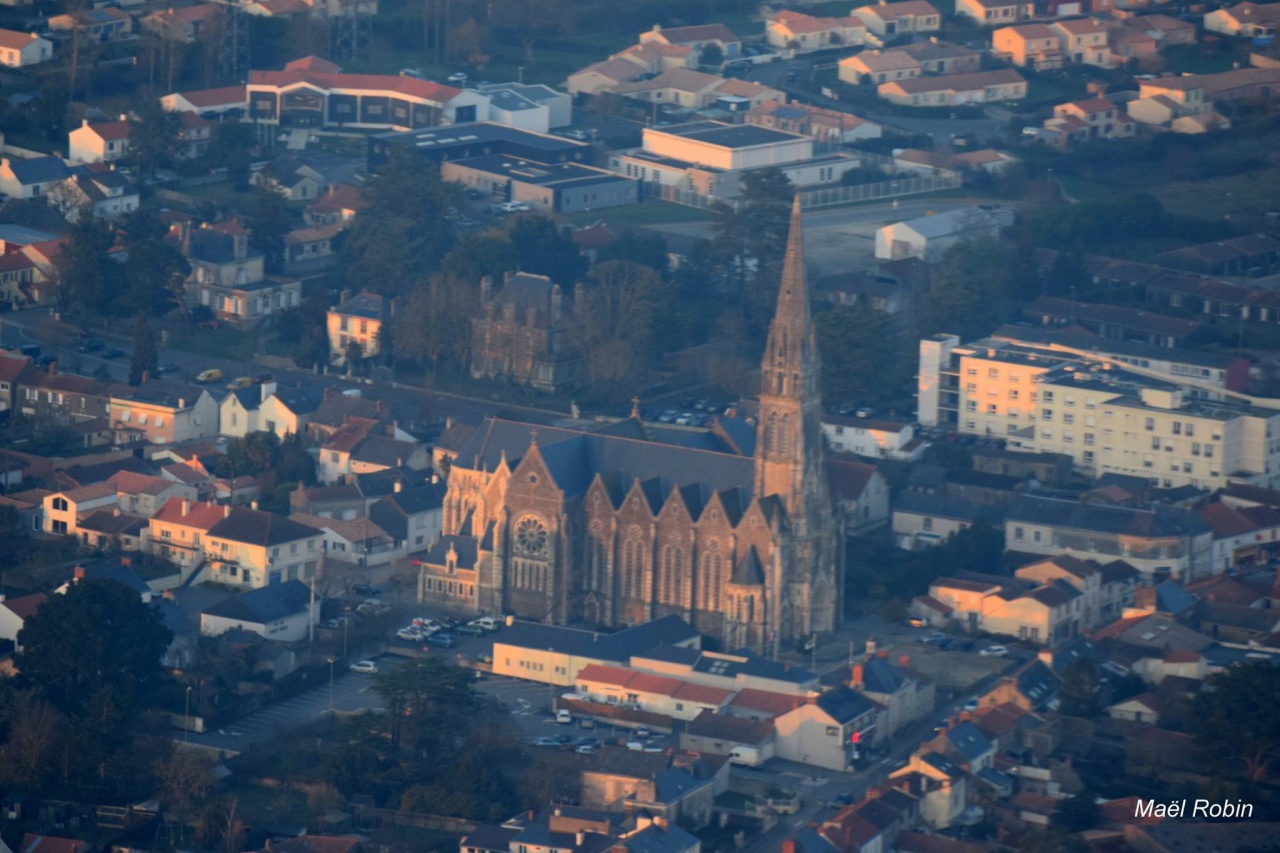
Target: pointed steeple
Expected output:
[793,292]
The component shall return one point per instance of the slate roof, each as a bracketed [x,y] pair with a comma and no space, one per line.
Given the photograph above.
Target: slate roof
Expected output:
[334,410]
[843,705]
[748,571]
[618,646]
[941,506]
[266,604]
[1159,521]
[490,838]
[38,170]
[727,728]
[729,664]
[112,523]
[254,527]
[657,839]
[676,783]
[1038,683]
[968,741]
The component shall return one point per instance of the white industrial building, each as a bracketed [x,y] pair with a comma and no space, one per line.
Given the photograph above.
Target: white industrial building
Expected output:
[929,237]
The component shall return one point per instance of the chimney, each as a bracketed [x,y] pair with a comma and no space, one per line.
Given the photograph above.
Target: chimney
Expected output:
[116,512]
[186,507]
[79,573]
[557,811]
[904,661]
[580,837]
[146,374]
[126,561]
[435,478]
[883,654]
[253,505]
[397,486]
[53,368]
[182,403]
[84,122]
[789,846]
[871,647]
[226,511]
[659,820]
[124,116]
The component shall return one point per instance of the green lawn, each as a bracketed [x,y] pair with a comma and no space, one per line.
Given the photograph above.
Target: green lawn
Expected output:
[230,344]
[647,212]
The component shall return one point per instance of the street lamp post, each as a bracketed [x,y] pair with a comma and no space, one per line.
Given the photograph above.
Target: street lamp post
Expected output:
[330,685]
[186,718]
[346,625]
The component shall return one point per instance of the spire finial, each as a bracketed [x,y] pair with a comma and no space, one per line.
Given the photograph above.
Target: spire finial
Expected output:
[635,408]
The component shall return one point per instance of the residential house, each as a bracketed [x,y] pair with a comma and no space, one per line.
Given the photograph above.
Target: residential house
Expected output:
[361,446]
[720,734]
[1242,535]
[694,90]
[979,87]
[942,57]
[412,516]
[654,57]
[1251,254]
[117,569]
[144,495]
[310,248]
[861,494]
[1033,687]
[339,205]
[291,178]
[99,25]
[107,193]
[17,274]
[112,530]
[1083,41]
[1165,29]
[251,548]
[1166,100]
[921,520]
[1087,121]
[876,66]
[929,237]
[282,612]
[941,786]
[1143,708]
[336,409]
[14,612]
[887,21]
[164,412]
[359,541]
[697,37]
[966,745]
[356,320]
[177,529]
[903,694]
[63,510]
[1034,46]
[523,334]
[802,33]
[877,439]
[31,177]
[11,367]
[100,143]
[185,24]
[1129,45]
[238,411]
[1164,541]
[1250,20]
[217,104]
[603,77]
[289,411]
[822,732]
[19,49]
[194,136]
[229,278]
[343,502]
[831,127]
[996,13]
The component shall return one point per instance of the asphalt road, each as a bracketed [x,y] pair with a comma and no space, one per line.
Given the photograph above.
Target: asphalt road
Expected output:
[409,404]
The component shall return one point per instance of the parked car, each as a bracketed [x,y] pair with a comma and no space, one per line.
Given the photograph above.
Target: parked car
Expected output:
[366,589]
[366,667]
[444,641]
[170,367]
[932,637]
[213,374]
[411,634]
[514,207]
[488,623]
[845,799]
[579,135]
[586,723]
[470,630]
[994,652]
[587,749]
[563,717]
[643,733]
[545,741]
[457,77]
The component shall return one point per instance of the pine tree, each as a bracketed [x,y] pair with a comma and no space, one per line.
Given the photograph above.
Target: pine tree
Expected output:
[146,358]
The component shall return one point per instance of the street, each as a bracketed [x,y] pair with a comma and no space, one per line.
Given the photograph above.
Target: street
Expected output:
[410,405]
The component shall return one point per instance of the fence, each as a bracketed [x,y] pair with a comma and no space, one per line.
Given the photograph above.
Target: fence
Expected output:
[827,196]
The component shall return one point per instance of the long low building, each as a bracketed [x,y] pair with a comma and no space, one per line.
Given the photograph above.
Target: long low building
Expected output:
[480,139]
[547,187]
[978,87]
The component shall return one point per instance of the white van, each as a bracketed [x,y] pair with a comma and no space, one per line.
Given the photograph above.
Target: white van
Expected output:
[746,756]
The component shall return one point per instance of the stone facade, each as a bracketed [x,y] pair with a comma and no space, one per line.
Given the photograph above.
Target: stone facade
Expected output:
[624,523]
[524,334]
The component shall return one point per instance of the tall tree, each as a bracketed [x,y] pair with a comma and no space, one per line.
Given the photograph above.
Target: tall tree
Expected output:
[478,255]
[267,219]
[751,241]
[82,268]
[397,239]
[97,640]
[146,356]
[1235,724]
[429,704]
[863,355]
[543,250]
[153,140]
[154,270]
[435,323]
[618,313]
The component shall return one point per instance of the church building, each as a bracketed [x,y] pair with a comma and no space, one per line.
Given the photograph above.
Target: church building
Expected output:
[732,528]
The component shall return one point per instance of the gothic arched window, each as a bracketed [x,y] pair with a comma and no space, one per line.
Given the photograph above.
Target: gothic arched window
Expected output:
[672,574]
[712,573]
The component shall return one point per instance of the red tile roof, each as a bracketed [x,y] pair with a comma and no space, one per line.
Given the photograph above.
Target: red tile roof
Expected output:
[26,605]
[200,514]
[216,97]
[644,682]
[767,701]
[15,40]
[313,63]
[411,86]
[110,130]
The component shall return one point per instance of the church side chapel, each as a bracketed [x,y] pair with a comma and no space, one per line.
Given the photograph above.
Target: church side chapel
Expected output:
[629,522]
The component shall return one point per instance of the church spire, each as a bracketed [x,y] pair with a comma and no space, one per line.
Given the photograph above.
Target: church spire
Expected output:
[793,293]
